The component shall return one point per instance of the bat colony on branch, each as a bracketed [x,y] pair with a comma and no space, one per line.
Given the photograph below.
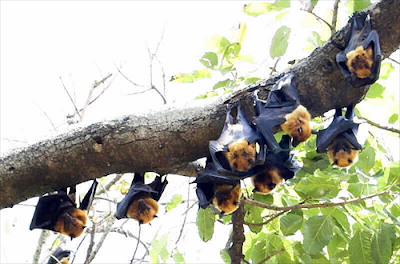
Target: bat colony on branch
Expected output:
[243,149]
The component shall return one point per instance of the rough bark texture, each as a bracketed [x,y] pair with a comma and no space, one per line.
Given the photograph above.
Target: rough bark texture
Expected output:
[165,141]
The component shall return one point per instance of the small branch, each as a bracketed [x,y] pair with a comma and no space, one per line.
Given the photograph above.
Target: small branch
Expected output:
[102,239]
[129,80]
[95,85]
[270,256]
[91,243]
[298,206]
[76,251]
[236,250]
[110,184]
[184,220]
[395,61]
[48,118]
[70,98]
[273,69]
[267,221]
[334,16]
[319,18]
[391,129]
[42,240]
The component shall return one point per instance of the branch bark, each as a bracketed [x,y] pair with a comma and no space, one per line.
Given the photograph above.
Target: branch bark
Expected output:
[166,140]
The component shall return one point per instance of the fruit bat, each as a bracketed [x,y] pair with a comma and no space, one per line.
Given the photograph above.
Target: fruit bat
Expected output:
[277,166]
[58,212]
[339,139]
[360,61]
[140,203]
[235,151]
[61,255]
[220,190]
[282,108]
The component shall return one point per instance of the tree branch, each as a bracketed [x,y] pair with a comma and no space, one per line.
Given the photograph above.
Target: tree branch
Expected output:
[166,139]
[391,129]
[237,238]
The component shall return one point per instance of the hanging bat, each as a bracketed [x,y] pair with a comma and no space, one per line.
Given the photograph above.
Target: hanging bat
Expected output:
[340,139]
[62,256]
[277,166]
[223,192]
[59,213]
[140,203]
[235,151]
[360,61]
[282,108]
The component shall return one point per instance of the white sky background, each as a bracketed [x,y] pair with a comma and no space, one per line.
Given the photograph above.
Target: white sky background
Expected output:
[80,42]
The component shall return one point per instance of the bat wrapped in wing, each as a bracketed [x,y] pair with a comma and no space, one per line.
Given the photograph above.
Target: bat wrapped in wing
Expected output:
[58,212]
[282,108]
[140,203]
[360,61]
[339,139]
[59,256]
[240,147]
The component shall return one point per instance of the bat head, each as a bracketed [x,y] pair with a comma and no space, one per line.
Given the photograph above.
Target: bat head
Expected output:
[267,180]
[343,158]
[76,228]
[359,61]
[297,125]
[241,155]
[143,210]
[226,198]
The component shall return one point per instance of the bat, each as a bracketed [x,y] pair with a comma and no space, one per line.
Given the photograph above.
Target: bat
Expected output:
[277,166]
[339,139]
[223,192]
[61,255]
[235,151]
[360,61]
[140,203]
[282,108]
[59,213]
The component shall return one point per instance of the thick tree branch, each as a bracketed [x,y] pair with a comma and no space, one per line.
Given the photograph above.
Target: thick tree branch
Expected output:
[168,139]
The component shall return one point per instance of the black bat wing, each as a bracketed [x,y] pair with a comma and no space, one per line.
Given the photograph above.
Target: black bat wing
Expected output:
[88,199]
[48,209]
[158,186]
[338,126]
[59,254]
[361,34]
[205,193]
[283,93]
[135,189]
[228,136]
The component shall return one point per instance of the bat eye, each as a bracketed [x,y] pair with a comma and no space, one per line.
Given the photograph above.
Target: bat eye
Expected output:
[350,161]
[335,162]
[300,130]
[83,227]
[140,222]
[255,190]
[272,185]
[235,203]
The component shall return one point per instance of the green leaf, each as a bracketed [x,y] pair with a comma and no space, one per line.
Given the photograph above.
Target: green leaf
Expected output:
[264,198]
[315,40]
[318,185]
[360,248]
[225,256]
[381,245]
[266,246]
[253,215]
[159,248]
[386,70]
[279,42]
[259,8]
[334,246]
[203,73]
[282,15]
[175,200]
[290,223]
[228,83]
[339,216]
[183,78]
[205,223]
[393,118]
[227,219]
[375,91]
[318,231]
[366,159]
[217,44]
[357,5]
[232,51]
[251,80]
[178,258]
[209,60]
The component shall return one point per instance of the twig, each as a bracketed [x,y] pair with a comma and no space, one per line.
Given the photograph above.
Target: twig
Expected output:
[101,241]
[70,98]
[298,206]
[395,61]
[267,221]
[110,184]
[129,80]
[391,129]
[163,76]
[42,240]
[128,234]
[80,243]
[48,118]
[137,244]
[270,256]
[245,261]
[105,199]
[95,85]
[273,69]
[334,16]
[91,243]
[319,18]
[236,250]
[184,220]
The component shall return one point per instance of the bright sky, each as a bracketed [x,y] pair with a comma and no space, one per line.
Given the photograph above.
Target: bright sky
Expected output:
[82,42]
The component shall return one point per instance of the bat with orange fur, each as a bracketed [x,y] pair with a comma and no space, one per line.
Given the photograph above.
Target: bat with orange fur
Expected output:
[360,61]
[140,203]
[339,139]
[240,147]
[282,108]
[59,256]
[58,212]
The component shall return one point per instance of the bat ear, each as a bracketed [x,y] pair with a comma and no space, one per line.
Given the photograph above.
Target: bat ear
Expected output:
[255,190]
[221,214]
[155,216]
[314,131]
